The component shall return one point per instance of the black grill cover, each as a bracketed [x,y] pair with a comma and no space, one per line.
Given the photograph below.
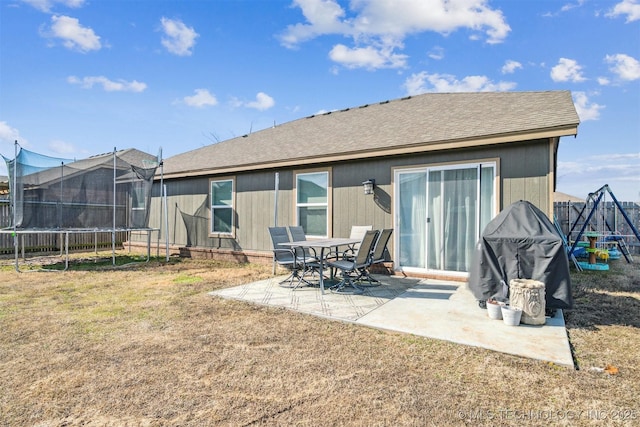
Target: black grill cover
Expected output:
[521,243]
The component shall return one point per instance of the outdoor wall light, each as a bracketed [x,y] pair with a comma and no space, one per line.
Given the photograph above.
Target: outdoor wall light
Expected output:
[369,185]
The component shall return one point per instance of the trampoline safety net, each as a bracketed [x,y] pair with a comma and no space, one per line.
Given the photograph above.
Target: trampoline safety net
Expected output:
[110,190]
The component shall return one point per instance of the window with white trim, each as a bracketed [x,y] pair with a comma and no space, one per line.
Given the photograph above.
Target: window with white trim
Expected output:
[222,206]
[312,203]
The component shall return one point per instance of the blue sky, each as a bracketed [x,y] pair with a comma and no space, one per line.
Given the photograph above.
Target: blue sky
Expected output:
[80,77]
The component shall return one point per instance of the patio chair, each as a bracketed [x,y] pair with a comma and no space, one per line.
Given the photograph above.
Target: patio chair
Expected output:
[297,235]
[352,269]
[310,261]
[285,257]
[377,256]
[357,232]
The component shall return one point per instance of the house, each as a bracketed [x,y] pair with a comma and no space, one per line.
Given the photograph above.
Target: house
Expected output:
[443,165]
[4,185]
[559,197]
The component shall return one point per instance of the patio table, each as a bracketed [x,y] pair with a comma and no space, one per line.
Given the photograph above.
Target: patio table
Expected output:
[322,244]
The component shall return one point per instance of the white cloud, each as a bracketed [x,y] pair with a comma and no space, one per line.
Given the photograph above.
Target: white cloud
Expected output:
[179,39]
[618,158]
[436,53]
[73,35]
[235,102]
[323,17]
[570,6]
[262,102]
[624,66]
[202,98]
[366,57]
[380,26]
[586,110]
[564,8]
[47,5]
[107,85]
[424,82]
[511,66]
[10,134]
[587,174]
[567,70]
[630,8]
[603,81]
[61,147]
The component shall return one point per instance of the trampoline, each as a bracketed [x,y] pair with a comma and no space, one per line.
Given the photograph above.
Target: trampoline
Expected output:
[106,193]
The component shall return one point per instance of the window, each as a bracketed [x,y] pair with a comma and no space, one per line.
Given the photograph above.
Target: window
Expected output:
[222,206]
[312,203]
[138,201]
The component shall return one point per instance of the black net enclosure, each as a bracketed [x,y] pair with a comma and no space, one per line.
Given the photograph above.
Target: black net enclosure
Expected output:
[107,191]
[521,243]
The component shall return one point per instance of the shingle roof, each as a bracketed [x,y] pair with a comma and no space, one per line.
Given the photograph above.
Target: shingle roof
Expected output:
[564,197]
[417,123]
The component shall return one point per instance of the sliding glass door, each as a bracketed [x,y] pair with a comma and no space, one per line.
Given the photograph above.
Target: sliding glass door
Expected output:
[440,213]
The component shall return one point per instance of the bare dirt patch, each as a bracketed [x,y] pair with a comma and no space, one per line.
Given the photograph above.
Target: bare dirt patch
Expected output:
[146,345]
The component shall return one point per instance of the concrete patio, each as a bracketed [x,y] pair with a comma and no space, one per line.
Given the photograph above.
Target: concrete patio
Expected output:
[424,307]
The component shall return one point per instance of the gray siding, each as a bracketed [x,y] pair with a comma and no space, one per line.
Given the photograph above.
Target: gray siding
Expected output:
[351,206]
[523,168]
[525,175]
[255,207]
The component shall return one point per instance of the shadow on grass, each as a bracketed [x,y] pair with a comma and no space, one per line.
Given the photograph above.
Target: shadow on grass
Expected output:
[88,263]
[603,298]
[120,261]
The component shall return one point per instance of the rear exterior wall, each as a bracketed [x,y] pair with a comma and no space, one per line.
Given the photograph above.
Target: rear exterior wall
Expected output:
[524,172]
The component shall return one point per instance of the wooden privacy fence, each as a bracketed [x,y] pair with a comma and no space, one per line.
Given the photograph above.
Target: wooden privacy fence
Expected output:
[606,220]
[54,241]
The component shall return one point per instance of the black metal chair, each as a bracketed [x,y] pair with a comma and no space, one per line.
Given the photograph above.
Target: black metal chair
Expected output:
[353,269]
[308,257]
[298,235]
[285,257]
[378,256]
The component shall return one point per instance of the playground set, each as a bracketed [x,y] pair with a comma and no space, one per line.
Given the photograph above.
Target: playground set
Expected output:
[603,242]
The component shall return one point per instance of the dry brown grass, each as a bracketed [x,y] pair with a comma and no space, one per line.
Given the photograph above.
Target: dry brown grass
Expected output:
[147,345]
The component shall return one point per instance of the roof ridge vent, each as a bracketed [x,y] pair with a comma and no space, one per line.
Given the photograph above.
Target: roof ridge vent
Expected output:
[364,106]
[405,98]
[384,102]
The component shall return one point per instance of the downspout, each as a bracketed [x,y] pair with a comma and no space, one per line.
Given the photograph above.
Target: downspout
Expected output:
[555,144]
[275,211]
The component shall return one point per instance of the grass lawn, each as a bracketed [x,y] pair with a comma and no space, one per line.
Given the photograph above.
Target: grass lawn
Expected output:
[145,345]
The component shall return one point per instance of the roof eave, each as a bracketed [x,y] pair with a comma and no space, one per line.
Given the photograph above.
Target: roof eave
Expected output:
[554,132]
